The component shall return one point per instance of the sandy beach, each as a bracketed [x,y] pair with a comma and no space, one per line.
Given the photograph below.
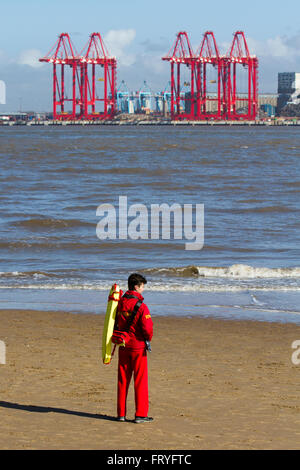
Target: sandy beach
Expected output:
[214,384]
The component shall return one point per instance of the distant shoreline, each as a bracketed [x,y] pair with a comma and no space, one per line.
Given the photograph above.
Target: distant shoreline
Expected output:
[150,123]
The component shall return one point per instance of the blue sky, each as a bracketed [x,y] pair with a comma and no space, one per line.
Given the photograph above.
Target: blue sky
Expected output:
[138,33]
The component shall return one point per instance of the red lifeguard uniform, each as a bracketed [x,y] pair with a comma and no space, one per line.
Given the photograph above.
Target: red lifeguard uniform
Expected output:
[133,357]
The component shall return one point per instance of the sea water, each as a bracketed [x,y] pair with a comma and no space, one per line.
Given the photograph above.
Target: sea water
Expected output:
[248,178]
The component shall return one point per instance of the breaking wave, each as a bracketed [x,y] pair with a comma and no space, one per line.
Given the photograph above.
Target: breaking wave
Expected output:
[238,271]
[235,278]
[155,287]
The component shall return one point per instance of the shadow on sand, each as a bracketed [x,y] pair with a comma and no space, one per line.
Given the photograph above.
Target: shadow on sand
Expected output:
[46,409]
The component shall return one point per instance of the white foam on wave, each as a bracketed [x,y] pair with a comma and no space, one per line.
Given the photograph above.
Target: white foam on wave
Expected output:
[244,271]
[159,287]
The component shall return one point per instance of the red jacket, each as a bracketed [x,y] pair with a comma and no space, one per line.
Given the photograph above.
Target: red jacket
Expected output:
[141,328]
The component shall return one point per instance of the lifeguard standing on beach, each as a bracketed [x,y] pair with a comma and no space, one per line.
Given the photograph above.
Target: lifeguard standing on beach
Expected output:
[133,357]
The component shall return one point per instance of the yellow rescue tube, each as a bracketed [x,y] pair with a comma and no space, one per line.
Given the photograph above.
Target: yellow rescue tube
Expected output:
[109,322]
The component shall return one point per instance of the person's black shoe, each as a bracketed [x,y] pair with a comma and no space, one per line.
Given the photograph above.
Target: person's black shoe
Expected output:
[142,419]
[121,418]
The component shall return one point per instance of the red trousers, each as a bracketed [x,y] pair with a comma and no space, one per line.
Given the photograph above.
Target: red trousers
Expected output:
[133,362]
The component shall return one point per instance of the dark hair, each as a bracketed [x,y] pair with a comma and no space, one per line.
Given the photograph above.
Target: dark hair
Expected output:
[136,280]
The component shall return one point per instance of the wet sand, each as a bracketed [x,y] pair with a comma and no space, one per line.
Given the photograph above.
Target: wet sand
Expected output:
[214,384]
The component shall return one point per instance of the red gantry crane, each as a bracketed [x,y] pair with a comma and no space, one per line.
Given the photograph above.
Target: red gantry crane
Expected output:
[95,54]
[61,55]
[181,54]
[238,57]
[208,57]
[84,90]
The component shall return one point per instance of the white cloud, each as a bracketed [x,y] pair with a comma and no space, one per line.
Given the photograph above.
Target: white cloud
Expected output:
[30,57]
[117,41]
[277,47]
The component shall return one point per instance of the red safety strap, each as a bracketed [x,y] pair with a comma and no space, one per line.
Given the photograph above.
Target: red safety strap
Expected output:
[112,354]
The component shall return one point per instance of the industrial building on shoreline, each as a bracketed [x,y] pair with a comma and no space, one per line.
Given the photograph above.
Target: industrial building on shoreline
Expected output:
[151,104]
